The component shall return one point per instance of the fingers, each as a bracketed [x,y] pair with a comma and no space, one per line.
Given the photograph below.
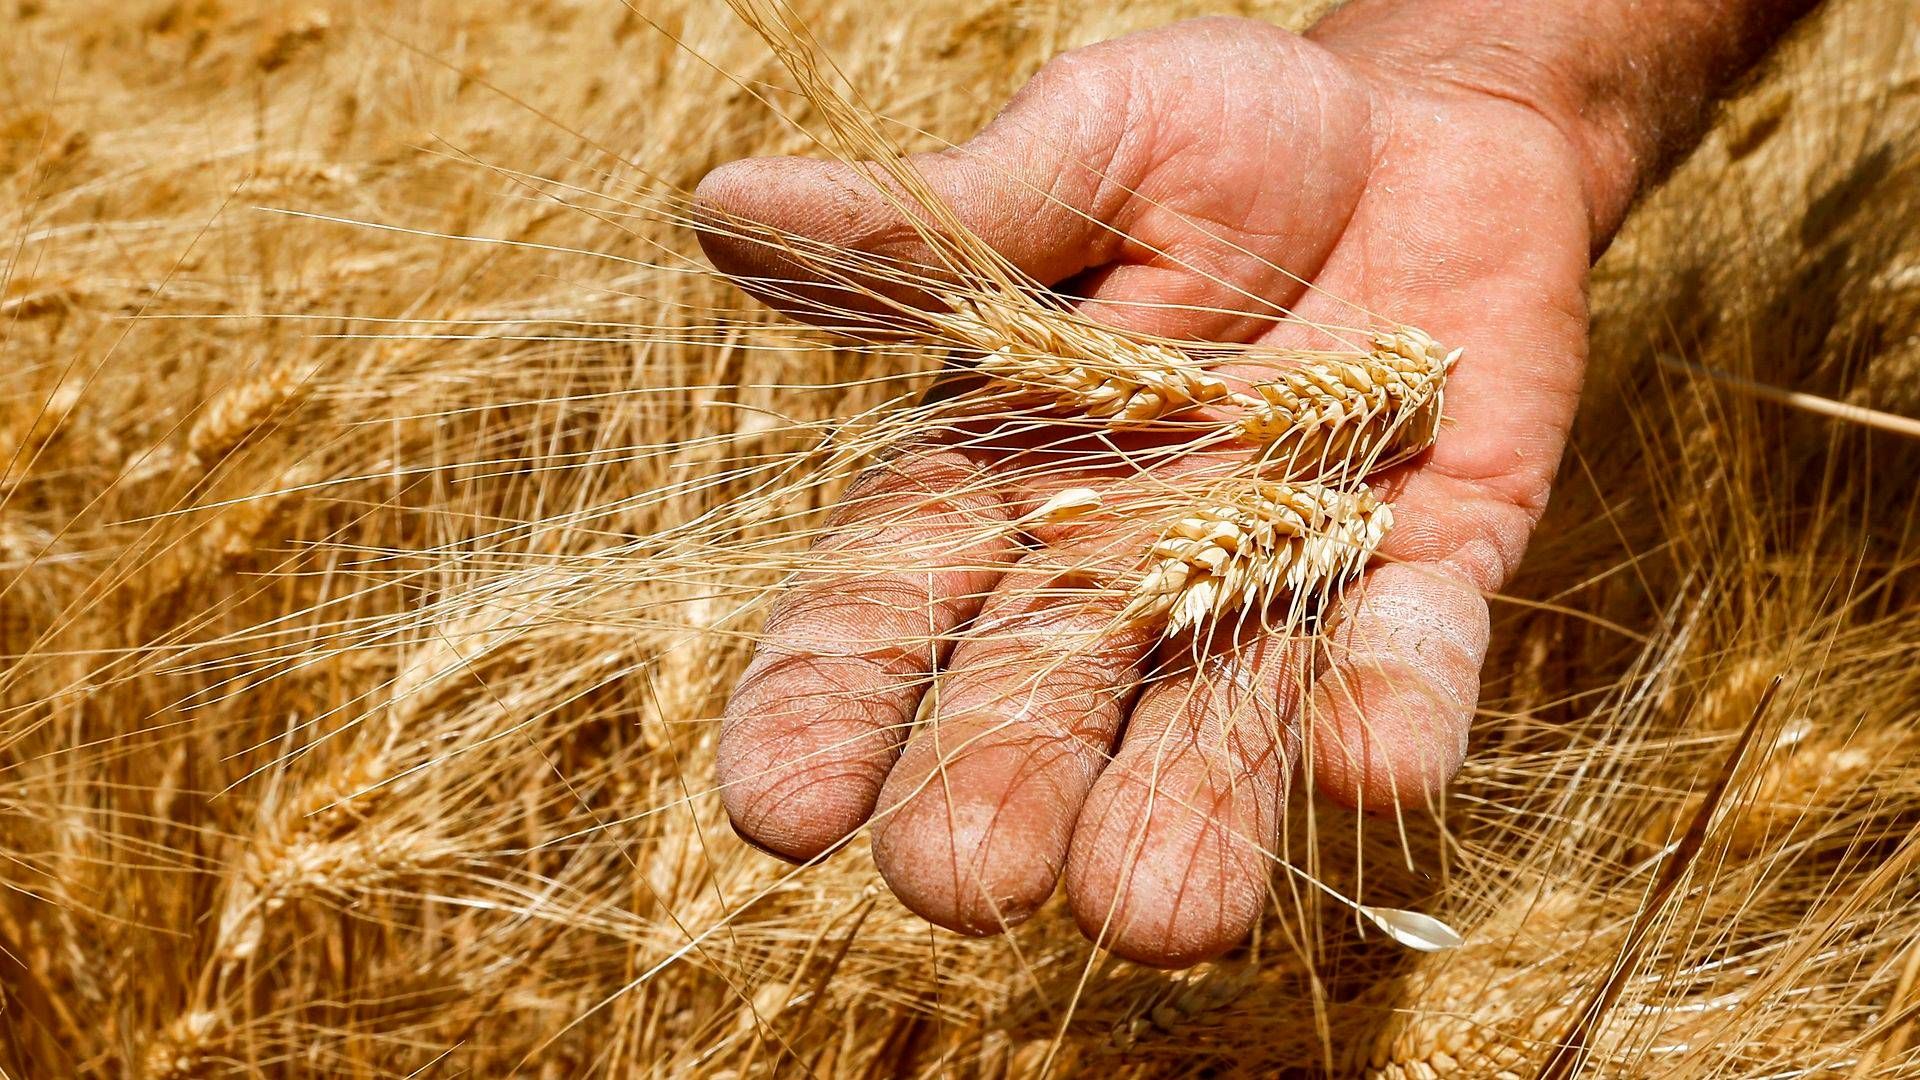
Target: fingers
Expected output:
[975,820]
[1131,159]
[1389,716]
[1036,186]
[815,722]
[1171,860]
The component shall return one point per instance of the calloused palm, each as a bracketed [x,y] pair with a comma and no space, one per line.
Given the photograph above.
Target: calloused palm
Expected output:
[1183,182]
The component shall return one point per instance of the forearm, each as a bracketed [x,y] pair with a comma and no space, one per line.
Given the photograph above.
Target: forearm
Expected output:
[1631,83]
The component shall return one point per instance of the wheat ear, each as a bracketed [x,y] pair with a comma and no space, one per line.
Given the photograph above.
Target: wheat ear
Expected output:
[1490,1008]
[187,1047]
[1365,412]
[239,411]
[1271,540]
[1372,409]
[1077,366]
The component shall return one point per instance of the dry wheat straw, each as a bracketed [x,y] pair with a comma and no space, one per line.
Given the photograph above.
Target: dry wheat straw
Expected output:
[1271,540]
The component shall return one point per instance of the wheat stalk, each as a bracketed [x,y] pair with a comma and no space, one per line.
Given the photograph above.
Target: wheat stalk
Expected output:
[1371,411]
[1269,540]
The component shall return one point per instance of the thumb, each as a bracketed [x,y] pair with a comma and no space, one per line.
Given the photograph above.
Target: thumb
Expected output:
[1044,185]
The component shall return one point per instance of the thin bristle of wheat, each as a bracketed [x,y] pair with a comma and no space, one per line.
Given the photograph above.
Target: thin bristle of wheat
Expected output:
[1273,540]
[1079,367]
[1369,411]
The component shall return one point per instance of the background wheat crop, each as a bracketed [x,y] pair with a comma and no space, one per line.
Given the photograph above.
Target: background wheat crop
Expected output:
[386,493]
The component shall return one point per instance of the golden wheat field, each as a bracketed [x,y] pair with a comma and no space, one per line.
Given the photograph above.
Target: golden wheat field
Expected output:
[389,495]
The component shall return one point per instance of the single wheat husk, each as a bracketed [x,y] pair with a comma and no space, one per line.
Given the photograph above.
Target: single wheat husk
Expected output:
[1264,542]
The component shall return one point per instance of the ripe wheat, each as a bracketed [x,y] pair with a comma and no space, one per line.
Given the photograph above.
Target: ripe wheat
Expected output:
[1271,540]
[1361,413]
[1330,414]
[1489,1009]
[1081,367]
[239,411]
[580,910]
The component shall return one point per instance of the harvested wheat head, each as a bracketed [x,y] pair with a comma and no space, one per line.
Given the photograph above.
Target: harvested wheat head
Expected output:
[1076,366]
[1322,414]
[1361,412]
[1271,540]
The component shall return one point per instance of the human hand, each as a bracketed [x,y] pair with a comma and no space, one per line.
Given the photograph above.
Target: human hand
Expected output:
[1180,182]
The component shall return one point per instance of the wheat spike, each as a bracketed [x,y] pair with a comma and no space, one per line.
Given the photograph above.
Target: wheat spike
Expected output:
[339,867]
[1496,1007]
[240,410]
[1372,410]
[1274,539]
[1491,1007]
[1080,367]
[318,847]
[1807,774]
[187,1047]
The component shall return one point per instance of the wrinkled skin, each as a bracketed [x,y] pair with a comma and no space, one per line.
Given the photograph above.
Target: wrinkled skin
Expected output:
[1422,200]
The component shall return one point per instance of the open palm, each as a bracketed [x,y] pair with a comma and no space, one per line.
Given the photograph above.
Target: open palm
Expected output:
[1183,183]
